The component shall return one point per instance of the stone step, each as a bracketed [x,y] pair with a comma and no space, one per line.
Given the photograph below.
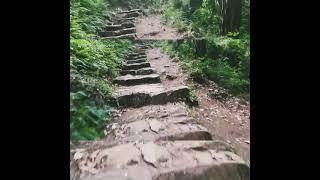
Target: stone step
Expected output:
[126,20]
[135,57]
[119,32]
[132,14]
[130,11]
[135,66]
[143,71]
[132,58]
[139,48]
[163,160]
[130,80]
[141,60]
[125,36]
[155,129]
[115,27]
[128,25]
[140,95]
[176,112]
[140,51]
[137,53]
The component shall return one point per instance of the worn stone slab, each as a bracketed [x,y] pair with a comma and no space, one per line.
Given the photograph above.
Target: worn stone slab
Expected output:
[143,71]
[139,95]
[113,27]
[119,32]
[163,160]
[130,11]
[155,130]
[130,58]
[136,56]
[135,66]
[128,25]
[130,80]
[125,36]
[132,14]
[141,60]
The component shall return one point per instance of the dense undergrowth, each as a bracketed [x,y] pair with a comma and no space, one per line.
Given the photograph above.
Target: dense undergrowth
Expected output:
[93,65]
[223,58]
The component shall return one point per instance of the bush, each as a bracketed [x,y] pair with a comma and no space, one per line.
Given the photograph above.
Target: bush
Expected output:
[87,119]
[226,62]
[93,66]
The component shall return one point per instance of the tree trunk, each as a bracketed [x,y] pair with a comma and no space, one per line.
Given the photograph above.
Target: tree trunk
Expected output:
[229,12]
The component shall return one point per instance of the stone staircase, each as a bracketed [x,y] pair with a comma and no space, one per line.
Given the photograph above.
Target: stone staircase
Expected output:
[122,25]
[154,138]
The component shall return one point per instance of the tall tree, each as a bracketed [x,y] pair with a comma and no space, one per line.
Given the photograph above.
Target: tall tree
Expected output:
[229,13]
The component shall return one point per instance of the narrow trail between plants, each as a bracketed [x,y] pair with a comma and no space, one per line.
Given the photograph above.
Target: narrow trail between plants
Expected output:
[157,133]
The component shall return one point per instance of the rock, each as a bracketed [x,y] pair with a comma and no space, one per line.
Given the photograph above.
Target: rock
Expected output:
[163,160]
[175,59]
[154,154]
[130,80]
[171,77]
[136,66]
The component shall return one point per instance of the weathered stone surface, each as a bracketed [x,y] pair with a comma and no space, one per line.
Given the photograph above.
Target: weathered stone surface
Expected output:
[136,96]
[128,31]
[172,94]
[132,14]
[154,154]
[130,11]
[136,66]
[155,125]
[113,27]
[127,25]
[125,36]
[129,80]
[136,56]
[119,32]
[163,160]
[174,112]
[141,60]
[143,71]
[139,95]
[125,20]
[155,130]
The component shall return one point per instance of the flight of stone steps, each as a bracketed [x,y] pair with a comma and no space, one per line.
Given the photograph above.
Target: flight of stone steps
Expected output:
[140,84]
[154,138]
[122,25]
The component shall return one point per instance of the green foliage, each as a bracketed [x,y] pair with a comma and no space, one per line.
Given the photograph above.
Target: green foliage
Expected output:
[94,64]
[89,14]
[226,62]
[226,59]
[87,119]
[176,13]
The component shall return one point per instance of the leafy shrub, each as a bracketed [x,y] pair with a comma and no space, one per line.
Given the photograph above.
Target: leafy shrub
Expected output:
[87,118]
[220,68]
[94,64]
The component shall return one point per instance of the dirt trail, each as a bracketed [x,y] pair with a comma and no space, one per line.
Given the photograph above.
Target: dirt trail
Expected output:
[229,121]
[151,27]
[155,134]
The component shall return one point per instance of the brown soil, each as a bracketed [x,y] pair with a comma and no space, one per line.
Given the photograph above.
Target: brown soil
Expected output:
[228,119]
[151,27]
